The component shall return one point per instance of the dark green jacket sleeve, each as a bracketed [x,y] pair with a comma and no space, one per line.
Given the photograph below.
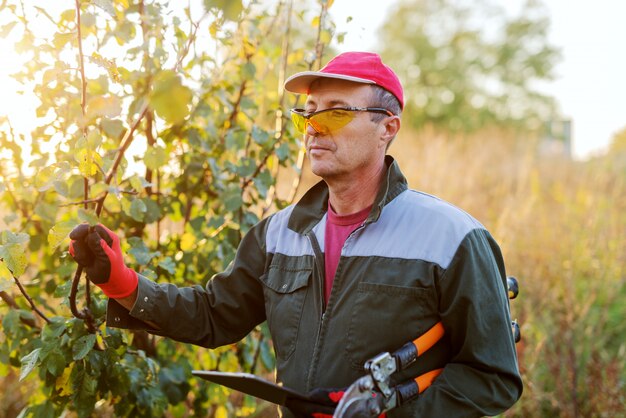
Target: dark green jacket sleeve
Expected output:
[223,312]
[482,377]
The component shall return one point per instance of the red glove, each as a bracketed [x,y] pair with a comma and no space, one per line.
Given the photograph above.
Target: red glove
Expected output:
[322,404]
[98,251]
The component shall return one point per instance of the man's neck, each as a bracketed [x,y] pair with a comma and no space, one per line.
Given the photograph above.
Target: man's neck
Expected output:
[352,195]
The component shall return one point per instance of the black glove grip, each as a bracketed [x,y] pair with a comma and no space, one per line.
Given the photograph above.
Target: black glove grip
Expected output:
[405,356]
[102,233]
[407,391]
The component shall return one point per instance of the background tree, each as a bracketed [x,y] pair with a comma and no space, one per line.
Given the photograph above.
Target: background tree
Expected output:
[469,65]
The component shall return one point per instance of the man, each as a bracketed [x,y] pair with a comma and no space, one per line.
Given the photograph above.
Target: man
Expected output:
[359,266]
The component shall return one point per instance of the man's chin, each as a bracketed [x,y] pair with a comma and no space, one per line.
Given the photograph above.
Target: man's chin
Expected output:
[320,169]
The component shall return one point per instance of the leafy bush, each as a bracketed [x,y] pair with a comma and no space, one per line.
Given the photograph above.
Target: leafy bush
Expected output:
[169,126]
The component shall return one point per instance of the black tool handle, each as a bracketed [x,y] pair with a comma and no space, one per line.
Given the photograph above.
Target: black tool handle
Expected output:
[407,391]
[405,356]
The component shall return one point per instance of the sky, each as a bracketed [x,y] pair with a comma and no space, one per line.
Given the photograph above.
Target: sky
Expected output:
[590,84]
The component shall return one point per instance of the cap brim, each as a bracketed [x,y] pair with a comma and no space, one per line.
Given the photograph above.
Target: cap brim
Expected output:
[300,82]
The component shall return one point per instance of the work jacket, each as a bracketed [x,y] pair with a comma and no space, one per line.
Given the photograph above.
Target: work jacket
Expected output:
[416,260]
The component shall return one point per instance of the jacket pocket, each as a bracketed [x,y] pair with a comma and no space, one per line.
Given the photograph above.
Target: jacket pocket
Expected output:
[285,291]
[385,317]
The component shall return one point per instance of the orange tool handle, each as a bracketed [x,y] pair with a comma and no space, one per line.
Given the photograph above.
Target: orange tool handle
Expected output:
[413,388]
[427,379]
[410,351]
[429,338]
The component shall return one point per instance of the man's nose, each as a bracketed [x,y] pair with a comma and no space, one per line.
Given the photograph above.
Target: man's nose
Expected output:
[310,130]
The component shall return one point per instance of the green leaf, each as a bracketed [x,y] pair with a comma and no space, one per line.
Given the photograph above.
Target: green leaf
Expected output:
[55,363]
[168,264]
[231,8]
[142,254]
[106,5]
[14,256]
[283,152]
[137,183]
[29,362]
[88,216]
[248,70]
[9,237]
[54,329]
[112,127]
[137,209]
[155,158]
[232,199]
[83,346]
[259,135]
[169,97]
[59,232]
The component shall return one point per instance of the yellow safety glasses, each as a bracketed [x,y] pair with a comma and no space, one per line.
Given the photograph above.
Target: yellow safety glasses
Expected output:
[330,120]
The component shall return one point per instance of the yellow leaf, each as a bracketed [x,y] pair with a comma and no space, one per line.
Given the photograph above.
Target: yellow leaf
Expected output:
[187,241]
[248,48]
[170,98]
[213,29]
[6,278]
[221,412]
[59,232]
[62,383]
[315,22]
[88,162]
[14,257]
[107,106]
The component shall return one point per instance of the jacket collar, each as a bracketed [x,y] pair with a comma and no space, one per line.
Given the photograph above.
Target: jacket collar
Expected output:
[312,207]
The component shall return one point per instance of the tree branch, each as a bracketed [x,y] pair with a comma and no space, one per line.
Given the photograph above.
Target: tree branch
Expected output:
[30,300]
[13,304]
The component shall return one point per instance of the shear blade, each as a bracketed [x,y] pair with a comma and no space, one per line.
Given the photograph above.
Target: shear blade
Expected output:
[359,401]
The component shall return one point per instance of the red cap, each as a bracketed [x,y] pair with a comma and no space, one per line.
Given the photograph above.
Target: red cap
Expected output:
[360,67]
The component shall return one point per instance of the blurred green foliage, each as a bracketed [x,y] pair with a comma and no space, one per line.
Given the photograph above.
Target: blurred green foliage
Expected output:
[471,65]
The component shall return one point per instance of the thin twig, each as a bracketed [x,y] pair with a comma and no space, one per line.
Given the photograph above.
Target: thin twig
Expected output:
[126,141]
[30,300]
[81,202]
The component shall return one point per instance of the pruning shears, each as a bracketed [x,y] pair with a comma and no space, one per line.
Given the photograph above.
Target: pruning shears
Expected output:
[372,394]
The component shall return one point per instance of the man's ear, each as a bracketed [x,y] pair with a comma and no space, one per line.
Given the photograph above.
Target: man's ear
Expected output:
[391,126]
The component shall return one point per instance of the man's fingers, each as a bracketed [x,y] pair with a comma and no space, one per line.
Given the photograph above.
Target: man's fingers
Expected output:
[81,253]
[80,232]
[105,233]
[93,240]
[107,249]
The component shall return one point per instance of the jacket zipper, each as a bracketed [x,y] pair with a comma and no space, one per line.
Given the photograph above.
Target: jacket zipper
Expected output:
[317,251]
[320,288]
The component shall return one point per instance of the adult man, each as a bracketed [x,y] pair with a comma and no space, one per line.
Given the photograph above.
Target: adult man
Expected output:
[361,265]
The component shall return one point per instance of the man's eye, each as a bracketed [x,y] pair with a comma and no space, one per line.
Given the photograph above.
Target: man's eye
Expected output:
[339,113]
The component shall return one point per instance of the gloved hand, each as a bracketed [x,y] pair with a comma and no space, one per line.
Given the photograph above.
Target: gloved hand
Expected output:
[322,403]
[98,251]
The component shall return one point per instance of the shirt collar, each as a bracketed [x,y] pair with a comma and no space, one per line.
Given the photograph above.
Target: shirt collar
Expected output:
[312,207]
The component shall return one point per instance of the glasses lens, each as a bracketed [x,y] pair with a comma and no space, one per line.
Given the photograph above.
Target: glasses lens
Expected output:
[299,120]
[331,120]
[324,122]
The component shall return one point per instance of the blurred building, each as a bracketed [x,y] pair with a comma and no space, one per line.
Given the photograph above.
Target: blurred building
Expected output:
[557,139]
